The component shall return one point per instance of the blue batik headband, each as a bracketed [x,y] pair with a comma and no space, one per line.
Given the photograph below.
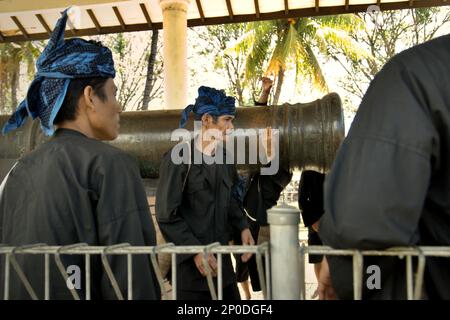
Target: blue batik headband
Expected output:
[60,62]
[211,101]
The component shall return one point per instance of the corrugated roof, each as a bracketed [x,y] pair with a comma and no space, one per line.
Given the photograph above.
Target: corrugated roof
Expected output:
[33,20]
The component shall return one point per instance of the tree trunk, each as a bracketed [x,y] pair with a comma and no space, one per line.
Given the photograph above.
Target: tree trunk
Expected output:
[150,67]
[239,92]
[3,89]
[280,79]
[14,85]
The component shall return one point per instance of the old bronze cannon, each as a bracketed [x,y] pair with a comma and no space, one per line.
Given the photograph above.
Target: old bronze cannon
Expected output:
[309,134]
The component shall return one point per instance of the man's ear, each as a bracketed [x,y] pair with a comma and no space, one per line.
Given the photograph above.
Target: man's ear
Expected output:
[88,95]
[206,119]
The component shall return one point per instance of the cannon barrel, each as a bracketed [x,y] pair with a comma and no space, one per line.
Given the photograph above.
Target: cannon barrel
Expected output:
[310,134]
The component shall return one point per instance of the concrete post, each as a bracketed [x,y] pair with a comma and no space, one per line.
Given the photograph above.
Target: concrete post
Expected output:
[284,252]
[175,52]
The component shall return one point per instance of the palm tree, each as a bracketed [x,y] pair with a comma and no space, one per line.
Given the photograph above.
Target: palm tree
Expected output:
[12,55]
[292,44]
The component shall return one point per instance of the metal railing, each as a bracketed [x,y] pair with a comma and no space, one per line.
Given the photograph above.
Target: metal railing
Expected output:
[284,228]
[412,292]
[260,251]
[10,253]
[281,274]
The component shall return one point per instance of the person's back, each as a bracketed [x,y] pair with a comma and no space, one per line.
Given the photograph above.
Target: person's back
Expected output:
[390,183]
[75,188]
[72,190]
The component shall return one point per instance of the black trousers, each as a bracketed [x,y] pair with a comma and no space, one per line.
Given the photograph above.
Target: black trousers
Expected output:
[249,268]
[314,240]
[230,292]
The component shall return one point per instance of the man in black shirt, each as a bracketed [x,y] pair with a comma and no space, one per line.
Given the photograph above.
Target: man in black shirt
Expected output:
[75,188]
[389,185]
[194,205]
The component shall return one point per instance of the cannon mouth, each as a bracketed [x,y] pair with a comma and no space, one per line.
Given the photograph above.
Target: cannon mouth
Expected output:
[320,130]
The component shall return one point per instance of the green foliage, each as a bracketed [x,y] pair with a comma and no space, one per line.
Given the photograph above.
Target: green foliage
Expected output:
[119,45]
[131,52]
[12,57]
[276,46]
[384,35]
[216,43]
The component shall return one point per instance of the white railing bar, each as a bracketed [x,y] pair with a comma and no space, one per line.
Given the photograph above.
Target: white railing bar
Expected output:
[209,277]
[109,272]
[219,276]
[157,268]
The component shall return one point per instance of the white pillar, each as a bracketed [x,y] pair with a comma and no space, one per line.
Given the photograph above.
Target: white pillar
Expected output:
[175,52]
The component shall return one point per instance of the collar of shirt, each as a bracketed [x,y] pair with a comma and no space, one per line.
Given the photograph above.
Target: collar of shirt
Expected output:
[68,132]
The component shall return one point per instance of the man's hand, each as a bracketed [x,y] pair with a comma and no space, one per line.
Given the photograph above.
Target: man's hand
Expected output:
[265,90]
[212,262]
[326,290]
[315,226]
[247,240]
[267,84]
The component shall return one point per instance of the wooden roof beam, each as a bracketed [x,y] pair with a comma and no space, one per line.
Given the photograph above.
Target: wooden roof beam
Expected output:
[11,6]
[286,7]
[317,5]
[146,15]
[119,17]
[44,23]
[293,13]
[20,26]
[257,12]
[94,19]
[200,10]
[230,9]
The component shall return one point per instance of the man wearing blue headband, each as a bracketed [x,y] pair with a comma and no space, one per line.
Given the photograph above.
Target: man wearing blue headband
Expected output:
[75,188]
[194,202]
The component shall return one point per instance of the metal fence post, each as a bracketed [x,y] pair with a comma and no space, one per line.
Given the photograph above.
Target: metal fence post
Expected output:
[284,252]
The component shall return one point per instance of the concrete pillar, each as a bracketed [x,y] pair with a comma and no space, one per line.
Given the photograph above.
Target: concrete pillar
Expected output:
[175,52]
[284,252]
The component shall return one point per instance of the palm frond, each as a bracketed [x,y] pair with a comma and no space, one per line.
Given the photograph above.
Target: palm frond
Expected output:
[285,50]
[345,22]
[328,36]
[311,69]
[259,50]
[245,42]
[255,45]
